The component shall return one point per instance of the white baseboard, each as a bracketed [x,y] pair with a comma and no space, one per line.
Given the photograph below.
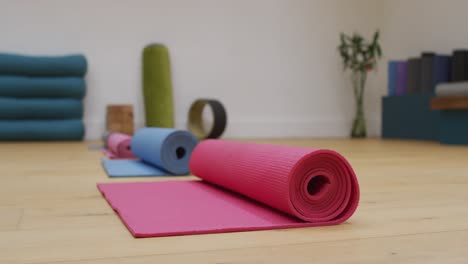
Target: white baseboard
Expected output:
[295,129]
[314,128]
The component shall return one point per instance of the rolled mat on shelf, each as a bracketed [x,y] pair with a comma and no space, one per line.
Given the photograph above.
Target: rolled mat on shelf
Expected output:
[452,89]
[163,151]
[195,118]
[46,130]
[15,64]
[434,70]
[392,77]
[118,146]
[402,78]
[245,187]
[157,86]
[413,81]
[460,65]
[46,87]
[40,108]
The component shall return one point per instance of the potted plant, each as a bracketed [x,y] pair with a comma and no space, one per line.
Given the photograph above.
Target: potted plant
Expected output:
[360,57]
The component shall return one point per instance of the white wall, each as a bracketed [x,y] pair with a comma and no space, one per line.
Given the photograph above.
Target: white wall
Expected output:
[412,26]
[272,62]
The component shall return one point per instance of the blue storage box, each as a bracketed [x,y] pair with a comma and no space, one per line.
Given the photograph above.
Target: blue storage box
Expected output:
[410,117]
[454,127]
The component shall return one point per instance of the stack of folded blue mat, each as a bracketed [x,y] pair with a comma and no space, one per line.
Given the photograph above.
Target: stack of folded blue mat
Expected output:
[41,97]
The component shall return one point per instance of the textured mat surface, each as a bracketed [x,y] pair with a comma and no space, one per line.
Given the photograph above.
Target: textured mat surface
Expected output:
[245,187]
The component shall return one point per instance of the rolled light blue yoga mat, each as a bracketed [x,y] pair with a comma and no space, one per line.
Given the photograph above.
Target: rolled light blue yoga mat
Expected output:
[162,151]
[40,108]
[44,87]
[41,130]
[15,64]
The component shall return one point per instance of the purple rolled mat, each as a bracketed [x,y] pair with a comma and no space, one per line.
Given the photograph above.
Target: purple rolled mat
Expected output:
[402,75]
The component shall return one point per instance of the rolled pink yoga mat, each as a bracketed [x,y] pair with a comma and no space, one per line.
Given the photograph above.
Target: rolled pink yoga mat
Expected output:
[118,146]
[244,186]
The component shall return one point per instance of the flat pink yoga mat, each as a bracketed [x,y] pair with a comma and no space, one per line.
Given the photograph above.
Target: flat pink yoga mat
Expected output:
[118,146]
[244,186]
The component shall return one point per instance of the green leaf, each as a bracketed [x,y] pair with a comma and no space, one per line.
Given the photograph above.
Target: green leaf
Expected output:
[357,53]
[357,39]
[376,36]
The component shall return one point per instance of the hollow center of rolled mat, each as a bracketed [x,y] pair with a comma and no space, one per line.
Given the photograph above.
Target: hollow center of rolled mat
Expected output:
[180,152]
[317,185]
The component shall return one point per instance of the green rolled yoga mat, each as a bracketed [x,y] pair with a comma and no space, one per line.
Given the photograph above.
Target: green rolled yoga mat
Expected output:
[40,108]
[15,64]
[157,86]
[45,87]
[41,130]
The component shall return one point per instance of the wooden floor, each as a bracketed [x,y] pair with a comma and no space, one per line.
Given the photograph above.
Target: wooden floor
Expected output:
[414,209]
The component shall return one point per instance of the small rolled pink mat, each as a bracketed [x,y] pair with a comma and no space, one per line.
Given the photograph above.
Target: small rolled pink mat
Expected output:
[118,146]
[244,186]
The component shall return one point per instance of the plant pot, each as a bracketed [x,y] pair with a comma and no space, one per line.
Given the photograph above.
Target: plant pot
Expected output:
[359,129]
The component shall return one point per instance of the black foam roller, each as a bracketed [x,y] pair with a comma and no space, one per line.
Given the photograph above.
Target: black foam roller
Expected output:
[414,76]
[427,72]
[460,65]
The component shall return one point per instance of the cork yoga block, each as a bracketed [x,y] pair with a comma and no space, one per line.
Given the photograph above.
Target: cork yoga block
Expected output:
[120,119]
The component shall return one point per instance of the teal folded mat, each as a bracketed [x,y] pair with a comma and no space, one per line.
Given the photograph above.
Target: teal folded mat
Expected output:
[23,86]
[40,108]
[15,64]
[41,130]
